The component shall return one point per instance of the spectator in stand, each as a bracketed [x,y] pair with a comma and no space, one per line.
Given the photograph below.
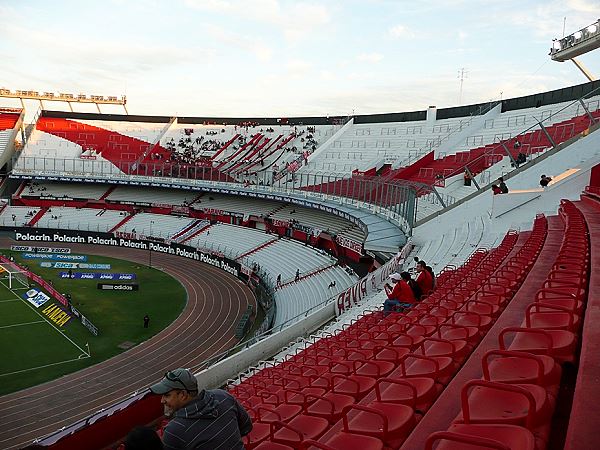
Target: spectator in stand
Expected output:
[413,285]
[496,190]
[297,275]
[400,295]
[430,270]
[467,177]
[142,438]
[521,159]
[424,278]
[544,181]
[416,260]
[200,420]
[279,280]
[502,186]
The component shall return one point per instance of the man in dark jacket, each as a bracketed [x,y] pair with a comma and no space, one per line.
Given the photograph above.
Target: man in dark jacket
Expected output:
[502,185]
[205,420]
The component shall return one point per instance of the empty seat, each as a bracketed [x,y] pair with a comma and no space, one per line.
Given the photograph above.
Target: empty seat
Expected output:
[559,344]
[478,437]
[490,402]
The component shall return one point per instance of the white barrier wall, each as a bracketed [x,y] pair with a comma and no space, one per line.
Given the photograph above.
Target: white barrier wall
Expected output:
[232,366]
[370,283]
[500,212]
[216,375]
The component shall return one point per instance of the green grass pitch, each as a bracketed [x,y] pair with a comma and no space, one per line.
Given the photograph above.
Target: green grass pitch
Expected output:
[33,351]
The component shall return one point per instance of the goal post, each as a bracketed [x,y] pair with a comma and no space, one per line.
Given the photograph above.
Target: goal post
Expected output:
[16,279]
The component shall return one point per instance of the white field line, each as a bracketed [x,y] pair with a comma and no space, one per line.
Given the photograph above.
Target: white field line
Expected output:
[21,324]
[51,324]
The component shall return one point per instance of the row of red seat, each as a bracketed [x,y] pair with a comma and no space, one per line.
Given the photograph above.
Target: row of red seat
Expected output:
[8,120]
[511,408]
[369,385]
[481,158]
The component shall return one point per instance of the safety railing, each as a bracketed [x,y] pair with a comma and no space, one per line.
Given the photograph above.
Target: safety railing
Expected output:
[534,140]
[392,199]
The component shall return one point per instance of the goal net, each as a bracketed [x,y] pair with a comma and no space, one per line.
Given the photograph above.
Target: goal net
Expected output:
[14,279]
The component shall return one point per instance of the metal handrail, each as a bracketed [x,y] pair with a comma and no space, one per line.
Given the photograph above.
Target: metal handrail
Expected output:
[539,123]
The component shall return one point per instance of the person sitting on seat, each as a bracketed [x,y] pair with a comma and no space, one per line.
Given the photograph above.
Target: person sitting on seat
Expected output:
[413,285]
[544,181]
[200,419]
[400,296]
[496,189]
[467,178]
[142,438]
[502,186]
[424,278]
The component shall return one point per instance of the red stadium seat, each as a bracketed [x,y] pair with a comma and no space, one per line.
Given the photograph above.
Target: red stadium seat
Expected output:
[298,429]
[439,367]
[507,366]
[479,437]
[490,402]
[551,317]
[260,432]
[345,441]
[388,422]
[418,393]
[329,406]
[559,344]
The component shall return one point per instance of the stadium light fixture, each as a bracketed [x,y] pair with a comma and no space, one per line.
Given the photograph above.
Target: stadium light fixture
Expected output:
[576,44]
[62,97]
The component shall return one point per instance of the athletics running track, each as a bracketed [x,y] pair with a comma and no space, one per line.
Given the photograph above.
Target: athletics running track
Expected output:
[216,302]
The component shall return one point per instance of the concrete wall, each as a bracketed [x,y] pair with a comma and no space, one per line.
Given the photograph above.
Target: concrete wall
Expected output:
[230,367]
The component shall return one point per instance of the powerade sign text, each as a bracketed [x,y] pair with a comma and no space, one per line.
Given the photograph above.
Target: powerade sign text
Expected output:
[123,287]
[55,256]
[97,276]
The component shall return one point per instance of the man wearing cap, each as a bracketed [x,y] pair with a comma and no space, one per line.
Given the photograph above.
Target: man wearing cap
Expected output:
[400,294]
[205,420]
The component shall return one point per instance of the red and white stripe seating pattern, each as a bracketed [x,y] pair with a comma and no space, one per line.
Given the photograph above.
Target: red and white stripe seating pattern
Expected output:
[368,385]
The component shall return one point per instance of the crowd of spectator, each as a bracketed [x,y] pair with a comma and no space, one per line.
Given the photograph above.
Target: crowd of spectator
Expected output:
[192,149]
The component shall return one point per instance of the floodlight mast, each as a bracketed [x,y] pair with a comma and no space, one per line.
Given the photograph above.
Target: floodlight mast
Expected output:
[576,44]
[62,97]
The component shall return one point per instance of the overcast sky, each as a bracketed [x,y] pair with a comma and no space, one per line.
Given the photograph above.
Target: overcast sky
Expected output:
[285,57]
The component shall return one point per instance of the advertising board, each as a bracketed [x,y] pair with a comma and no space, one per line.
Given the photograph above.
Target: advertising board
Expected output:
[122,287]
